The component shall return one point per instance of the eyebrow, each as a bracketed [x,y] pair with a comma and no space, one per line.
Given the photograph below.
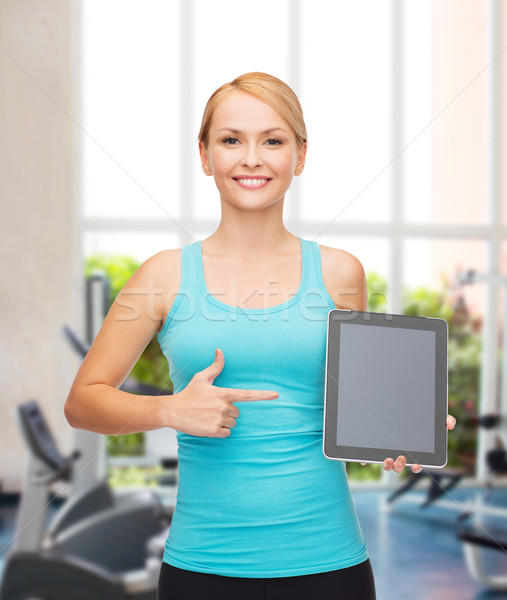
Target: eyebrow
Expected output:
[239,132]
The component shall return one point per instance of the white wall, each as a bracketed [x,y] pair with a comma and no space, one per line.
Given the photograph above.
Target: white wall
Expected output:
[41,287]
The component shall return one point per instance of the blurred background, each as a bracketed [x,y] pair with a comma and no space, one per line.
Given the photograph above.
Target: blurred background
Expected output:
[405,105]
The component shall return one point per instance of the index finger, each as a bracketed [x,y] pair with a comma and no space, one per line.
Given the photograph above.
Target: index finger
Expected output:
[239,395]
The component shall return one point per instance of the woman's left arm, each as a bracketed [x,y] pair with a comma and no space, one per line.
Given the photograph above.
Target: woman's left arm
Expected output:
[345,280]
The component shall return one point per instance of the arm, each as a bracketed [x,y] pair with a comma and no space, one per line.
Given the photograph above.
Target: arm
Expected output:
[94,402]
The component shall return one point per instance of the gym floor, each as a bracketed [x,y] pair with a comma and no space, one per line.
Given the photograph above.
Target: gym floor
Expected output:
[415,553]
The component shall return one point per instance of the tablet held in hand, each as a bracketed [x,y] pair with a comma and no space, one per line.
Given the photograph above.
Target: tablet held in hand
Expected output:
[386,388]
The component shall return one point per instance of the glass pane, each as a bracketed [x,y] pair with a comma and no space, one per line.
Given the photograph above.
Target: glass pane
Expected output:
[374,256]
[130,109]
[416,111]
[346,86]
[230,39]
[445,127]
[436,263]
[431,275]
[140,246]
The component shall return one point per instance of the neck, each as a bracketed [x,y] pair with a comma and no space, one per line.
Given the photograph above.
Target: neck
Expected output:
[255,233]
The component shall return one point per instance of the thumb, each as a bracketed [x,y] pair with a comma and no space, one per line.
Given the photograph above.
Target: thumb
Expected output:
[216,366]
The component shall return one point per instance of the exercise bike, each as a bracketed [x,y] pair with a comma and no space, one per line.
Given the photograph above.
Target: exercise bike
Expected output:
[98,546]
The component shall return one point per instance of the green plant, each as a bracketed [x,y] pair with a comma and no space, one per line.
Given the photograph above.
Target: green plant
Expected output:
[464,364]
[132,476]
[377,292]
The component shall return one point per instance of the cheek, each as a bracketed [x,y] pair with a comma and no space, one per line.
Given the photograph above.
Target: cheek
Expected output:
[287,164]
[222,162]
[287,160]
[283,162]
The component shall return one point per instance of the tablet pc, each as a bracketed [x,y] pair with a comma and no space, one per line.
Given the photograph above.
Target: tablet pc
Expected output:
[386,388]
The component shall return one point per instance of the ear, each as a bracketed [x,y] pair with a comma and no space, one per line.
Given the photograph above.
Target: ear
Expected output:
[204,159]
[300,164]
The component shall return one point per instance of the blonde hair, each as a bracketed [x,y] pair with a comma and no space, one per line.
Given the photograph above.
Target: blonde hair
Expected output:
[267,88]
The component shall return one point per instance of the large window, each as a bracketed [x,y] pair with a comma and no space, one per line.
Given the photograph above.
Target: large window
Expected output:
[402,170]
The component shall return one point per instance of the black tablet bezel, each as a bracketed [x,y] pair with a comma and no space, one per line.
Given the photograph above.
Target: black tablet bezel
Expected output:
[334,451]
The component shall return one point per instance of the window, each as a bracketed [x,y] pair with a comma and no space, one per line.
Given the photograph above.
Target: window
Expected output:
[400,107]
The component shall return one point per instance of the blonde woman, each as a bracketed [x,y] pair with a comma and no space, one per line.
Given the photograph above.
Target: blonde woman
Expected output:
[241,317]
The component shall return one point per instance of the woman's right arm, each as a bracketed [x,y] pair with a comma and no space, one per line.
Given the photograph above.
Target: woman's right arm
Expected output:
[94,402]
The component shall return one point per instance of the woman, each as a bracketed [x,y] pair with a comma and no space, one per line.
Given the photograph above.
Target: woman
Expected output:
[261,513]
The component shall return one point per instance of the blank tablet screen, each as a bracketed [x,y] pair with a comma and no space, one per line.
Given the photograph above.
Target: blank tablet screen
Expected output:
[386,391]
[386,388]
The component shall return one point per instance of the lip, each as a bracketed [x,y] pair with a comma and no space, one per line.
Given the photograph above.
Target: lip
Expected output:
[252,187]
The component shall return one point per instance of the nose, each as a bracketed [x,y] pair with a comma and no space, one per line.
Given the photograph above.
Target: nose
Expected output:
[252,157]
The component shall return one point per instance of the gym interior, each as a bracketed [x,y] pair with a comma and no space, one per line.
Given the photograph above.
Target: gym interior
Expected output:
[405,105]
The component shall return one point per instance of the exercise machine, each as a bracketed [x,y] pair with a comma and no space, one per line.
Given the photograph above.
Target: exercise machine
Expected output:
[481,534]
[493,463]
[442,481]
[476,539]
[97,546]
[167,481]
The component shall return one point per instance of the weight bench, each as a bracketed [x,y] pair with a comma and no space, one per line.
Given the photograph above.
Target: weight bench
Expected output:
[443,481]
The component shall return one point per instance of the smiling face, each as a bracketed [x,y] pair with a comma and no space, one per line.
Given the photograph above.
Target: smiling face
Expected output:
[251,152]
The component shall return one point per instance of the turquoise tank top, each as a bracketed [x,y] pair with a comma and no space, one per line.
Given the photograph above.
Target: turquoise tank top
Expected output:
[263,502]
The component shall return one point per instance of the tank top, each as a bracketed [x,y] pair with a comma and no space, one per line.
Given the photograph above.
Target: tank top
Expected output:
[263,502]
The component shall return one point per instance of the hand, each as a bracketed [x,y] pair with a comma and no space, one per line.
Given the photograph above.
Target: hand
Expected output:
[399,465]
[206,410]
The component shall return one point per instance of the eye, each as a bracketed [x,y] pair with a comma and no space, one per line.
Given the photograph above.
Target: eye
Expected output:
[273,142]
[230,141]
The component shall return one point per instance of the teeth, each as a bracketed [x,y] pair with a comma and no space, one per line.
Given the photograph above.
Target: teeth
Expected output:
[252,181]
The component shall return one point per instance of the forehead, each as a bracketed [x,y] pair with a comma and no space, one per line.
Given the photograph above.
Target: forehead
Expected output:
[246,112]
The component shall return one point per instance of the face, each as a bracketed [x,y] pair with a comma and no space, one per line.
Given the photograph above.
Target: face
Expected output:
[252,152]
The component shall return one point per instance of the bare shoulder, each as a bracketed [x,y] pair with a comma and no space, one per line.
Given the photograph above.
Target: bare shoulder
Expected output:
[344,278]
[161,273]
[164,262]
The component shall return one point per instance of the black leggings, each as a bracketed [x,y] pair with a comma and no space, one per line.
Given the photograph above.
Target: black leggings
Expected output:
[351,583]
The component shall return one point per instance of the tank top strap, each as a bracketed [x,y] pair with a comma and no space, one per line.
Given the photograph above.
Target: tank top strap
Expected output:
[190,255]
[314,265]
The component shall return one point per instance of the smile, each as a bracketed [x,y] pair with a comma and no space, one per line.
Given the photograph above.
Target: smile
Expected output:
[252,182]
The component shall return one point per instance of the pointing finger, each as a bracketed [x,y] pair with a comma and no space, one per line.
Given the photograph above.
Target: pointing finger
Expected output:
[239,395]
